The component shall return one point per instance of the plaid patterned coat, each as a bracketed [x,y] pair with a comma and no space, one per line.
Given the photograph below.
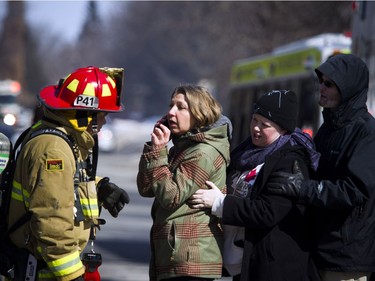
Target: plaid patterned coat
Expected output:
[184,241]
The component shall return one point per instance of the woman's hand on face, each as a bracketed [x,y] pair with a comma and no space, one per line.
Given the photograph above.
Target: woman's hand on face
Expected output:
[160,136]
[205,198]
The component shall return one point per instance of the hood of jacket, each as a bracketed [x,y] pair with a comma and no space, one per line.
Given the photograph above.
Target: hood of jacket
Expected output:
[215,136]
[351,76]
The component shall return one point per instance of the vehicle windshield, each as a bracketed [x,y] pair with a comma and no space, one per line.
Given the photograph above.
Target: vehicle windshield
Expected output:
[8,99]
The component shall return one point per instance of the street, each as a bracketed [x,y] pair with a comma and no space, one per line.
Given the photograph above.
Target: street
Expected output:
[123,242]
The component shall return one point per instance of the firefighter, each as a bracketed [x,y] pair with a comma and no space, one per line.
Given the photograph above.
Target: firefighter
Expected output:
[55,180]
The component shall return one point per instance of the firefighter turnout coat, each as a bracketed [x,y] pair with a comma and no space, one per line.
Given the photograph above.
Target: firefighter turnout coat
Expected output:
[44,185]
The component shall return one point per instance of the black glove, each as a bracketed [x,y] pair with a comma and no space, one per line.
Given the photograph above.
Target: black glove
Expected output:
[282,183]
[111,196]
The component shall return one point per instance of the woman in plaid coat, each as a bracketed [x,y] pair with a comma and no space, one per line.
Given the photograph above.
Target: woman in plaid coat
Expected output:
[185,243]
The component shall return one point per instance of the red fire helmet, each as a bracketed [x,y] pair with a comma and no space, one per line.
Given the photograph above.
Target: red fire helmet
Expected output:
[89,88]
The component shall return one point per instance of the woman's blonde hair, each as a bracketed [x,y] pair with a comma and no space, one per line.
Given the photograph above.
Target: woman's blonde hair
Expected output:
[203,106]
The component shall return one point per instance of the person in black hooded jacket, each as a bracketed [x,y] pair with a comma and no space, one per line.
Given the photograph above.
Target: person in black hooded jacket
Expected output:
[343,187]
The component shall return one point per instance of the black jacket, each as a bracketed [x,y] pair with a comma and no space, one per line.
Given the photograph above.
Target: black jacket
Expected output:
[277,243]
[344,190]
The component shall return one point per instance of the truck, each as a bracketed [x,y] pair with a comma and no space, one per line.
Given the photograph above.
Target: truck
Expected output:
[10,110]
[289,67]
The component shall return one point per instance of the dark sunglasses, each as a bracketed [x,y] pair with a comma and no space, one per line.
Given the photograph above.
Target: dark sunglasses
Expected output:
[326,83]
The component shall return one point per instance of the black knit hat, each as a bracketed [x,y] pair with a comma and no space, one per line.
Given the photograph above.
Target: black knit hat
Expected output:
[279,106]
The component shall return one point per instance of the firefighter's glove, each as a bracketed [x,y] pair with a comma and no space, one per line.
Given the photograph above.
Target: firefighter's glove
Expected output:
[111,196]
[287,184]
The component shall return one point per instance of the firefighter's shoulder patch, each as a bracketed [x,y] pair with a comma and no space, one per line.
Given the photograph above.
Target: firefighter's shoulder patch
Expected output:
[54,165]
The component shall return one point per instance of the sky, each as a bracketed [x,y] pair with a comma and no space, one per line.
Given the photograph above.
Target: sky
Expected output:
[61,17]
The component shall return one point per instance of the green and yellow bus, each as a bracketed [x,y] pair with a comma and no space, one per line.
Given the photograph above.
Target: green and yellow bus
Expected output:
[288,67]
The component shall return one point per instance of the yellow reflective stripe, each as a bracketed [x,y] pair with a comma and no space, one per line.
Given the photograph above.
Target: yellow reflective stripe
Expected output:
[89,90]
[113,83]
[17,192]
[90,207]
[90,213]
[106,92]
[73,85]
[37,124]
[20,194]
[66,265]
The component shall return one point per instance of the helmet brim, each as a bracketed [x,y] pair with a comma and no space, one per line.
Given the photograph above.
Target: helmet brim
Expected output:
[47,96]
